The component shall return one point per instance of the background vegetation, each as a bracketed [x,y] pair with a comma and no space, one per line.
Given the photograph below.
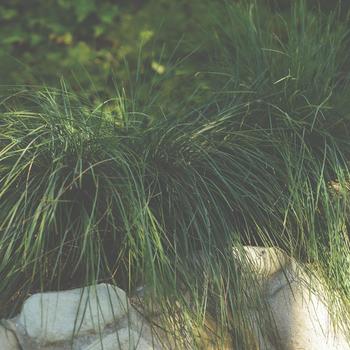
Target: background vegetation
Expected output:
[94,43]
[180,129]
[98,44]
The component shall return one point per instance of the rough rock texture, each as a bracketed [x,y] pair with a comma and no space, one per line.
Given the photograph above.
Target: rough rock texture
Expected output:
[8,340]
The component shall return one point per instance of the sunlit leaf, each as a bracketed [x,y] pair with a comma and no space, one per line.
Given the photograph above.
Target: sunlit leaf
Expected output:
[146,35]
[159,68]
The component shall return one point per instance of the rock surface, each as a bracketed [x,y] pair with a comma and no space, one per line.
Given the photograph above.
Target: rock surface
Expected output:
[297,302]
[52,317]
[8,340]
[124,339]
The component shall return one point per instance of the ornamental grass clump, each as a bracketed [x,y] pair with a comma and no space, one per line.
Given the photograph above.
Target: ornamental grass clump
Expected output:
[135,199]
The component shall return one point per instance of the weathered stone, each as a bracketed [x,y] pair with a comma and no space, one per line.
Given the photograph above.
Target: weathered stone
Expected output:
[303,320]
[8,340]
[125,339]
[139,324]
[298,304]
[57,316]
[265,262]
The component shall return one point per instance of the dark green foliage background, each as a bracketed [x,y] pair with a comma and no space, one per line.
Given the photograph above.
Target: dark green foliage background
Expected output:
[89,41]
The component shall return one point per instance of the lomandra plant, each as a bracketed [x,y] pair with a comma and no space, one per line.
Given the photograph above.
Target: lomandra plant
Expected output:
[87,195]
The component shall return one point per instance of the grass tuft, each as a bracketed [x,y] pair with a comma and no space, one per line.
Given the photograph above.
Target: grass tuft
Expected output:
[114,194]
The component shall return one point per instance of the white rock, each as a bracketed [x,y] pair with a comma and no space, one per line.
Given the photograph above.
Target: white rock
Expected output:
[124,339]
[8,340]
[303,320]
[263,261]
[151,334]
[298,304]
[299,309]
[57,316]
